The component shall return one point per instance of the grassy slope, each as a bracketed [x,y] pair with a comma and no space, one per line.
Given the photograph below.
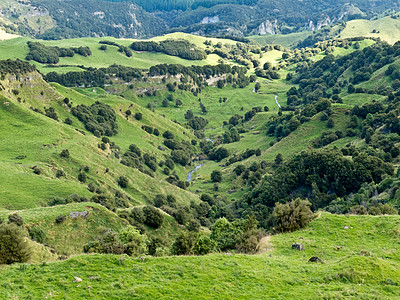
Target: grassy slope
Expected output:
[41,139]
[69,237]
[17,48]
[366,267]
[388,29]
[286,40]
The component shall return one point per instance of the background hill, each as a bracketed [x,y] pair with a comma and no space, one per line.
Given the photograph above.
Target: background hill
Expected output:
[136,19]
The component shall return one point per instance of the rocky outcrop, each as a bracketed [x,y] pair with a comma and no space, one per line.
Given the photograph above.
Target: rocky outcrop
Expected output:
[210,20]
[268,27]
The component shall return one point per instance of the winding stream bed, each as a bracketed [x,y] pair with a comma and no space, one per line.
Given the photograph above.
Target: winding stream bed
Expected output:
[189,178]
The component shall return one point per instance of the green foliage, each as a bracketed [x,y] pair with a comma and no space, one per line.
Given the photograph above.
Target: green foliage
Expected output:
[128,241]
[123,182]
[225,234]
[184,243]
[152,216]
[216,176]
[181,48]
[50,55]
[203,245]
[329,170]
[13,246]
[99,118]
[15,219]
[15,67]
[37,234]
[292,216]
[65,153]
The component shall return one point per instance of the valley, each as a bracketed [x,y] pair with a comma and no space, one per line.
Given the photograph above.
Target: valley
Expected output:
[186,160]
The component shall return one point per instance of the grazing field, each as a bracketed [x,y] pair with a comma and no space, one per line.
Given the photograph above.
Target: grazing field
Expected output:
[286,40]
[386,28]
[360,255]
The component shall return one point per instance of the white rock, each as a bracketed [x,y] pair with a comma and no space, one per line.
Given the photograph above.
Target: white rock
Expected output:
[77,279]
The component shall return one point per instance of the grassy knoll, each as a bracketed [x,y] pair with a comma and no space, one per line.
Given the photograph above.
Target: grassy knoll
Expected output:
[365,267]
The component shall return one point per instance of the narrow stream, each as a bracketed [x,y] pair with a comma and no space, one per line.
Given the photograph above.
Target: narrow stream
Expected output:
[189,178]
[276,100]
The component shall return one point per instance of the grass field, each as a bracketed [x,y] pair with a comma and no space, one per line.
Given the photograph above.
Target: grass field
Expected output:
[286,40]
[361,262]
[17,48]
[386,28]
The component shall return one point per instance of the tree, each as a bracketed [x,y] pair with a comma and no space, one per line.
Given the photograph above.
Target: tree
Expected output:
[13,246]
[16,219]
[123,182]
[64,153]
[165,103]
[216,176]
[178,102]
[278,159]
[168,135]
[184,243]
[257,87]
[330,123]
[153,217]
[189,115]
[138,116]
[292,216]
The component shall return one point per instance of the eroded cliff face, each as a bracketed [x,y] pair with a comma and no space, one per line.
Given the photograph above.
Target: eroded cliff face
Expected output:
[268,27]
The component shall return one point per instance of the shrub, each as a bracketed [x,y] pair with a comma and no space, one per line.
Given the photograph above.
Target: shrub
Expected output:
[37,234]
[153,217]
[203,245]
[13,246]
[193,225]
[330,123]
[160,200]
[184,243]
[137,214]
[82,177]
[134,241]
[99,118]
[123,182]
[216,176]
[358,210]
[292,216]
[60,219]
[382,209]
[138,116]
[68,121]
[168,135]
[225,234]
[16,219]
[64,153]
[60,173]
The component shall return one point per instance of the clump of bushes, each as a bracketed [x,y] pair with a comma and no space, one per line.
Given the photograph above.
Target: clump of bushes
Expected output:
[129,241]
[99,118]
[13,246]
[292,216]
